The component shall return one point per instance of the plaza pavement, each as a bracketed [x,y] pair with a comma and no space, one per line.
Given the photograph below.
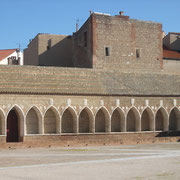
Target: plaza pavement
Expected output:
[152,161]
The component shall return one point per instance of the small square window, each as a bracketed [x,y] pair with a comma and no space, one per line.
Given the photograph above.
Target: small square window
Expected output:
[49,44]
[137,53]
[107,51]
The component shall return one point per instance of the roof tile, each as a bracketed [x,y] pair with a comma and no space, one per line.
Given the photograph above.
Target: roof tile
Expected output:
[6,52]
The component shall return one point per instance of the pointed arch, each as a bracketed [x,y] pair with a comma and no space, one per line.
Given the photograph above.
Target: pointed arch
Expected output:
[15,124]
[86,120]
[174,119]
[2,123]
[69,121]
[102,120]
[51,121]
[133,121]
[147,120]
[118,120]
[34,121]
[161,120]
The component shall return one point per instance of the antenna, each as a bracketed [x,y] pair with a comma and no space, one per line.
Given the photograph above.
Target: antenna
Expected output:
[19,46]
[77,25]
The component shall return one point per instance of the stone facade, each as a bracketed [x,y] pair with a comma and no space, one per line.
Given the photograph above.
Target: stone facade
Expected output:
[120,42]
[119,88]
[50,115]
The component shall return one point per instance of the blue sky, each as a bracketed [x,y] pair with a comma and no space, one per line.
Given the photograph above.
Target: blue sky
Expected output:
[21,20]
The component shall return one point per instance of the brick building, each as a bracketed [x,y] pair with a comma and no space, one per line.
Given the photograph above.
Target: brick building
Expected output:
[171,52]
[110,87]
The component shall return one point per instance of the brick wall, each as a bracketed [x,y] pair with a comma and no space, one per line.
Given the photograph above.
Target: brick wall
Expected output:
[125,37]
[82,46]
[89,140]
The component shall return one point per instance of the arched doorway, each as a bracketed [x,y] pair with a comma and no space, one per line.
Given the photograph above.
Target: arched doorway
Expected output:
[50,122]
[102,121]
[13,129]
[133,120]
[32,122]
[85,121]
[147,120]
[174,117]
[161,120]
[69,121]
[117,121]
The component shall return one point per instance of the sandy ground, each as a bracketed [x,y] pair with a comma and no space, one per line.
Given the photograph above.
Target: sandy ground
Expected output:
[154,161]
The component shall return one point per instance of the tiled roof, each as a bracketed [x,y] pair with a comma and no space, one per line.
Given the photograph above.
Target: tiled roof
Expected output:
[169,54]
[80,81]
[6,52]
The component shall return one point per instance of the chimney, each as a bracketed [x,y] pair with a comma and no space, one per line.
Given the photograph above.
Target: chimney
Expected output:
[77,27]
[121,13]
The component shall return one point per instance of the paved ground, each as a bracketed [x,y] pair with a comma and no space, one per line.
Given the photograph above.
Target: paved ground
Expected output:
[155,161]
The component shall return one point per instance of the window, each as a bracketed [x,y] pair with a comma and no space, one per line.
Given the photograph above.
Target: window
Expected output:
[49,44]
[137,53]
[107,51]
[85,39]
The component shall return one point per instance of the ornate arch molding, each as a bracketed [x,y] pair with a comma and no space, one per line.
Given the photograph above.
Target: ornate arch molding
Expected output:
[21,116]
[177,113]
[137,115]
[165,115]
[57,116]
[91,118]
[107,117]
[74,115]
[40,118]
[122,116]
[151,115]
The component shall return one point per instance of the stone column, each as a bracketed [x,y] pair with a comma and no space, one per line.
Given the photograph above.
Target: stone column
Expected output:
[138,124]
[41,125]
[58,123]
[152,124]
[4,126]
[123,124]
[166,123]
[108,124]
[92,125]
[76,124]
[23,125]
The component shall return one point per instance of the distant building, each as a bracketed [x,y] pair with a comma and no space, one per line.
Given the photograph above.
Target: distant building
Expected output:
[103,41]
[49,50]
[11,57]
[171,52]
